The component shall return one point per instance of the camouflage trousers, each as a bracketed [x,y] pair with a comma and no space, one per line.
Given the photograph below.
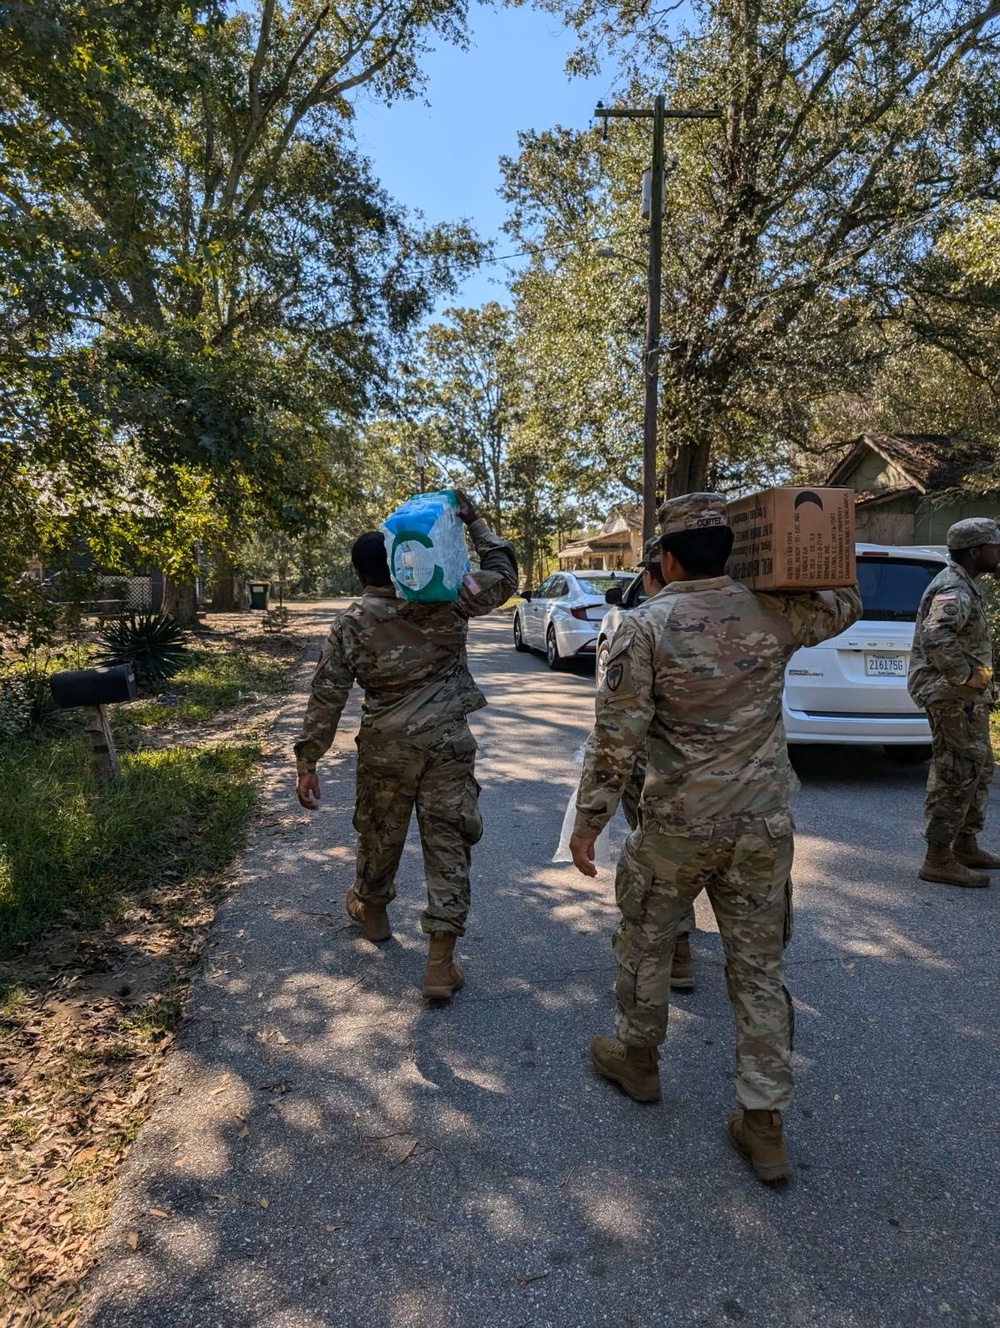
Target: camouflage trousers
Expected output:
[631,798]
[436,774]
[958,786]
[745,866]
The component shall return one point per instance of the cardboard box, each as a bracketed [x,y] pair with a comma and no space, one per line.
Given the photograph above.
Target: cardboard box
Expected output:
[793,539]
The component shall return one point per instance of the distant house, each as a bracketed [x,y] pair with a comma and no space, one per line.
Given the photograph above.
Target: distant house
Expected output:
[618,544]
[131,591]
[909,486]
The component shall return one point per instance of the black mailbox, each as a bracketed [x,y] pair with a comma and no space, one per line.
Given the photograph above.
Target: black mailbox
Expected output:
[94,687]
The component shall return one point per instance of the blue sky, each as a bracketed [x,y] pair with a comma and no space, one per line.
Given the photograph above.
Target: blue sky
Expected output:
[442,158]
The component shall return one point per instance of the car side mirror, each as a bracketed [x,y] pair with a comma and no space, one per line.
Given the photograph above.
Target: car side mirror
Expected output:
[613,595]
[527,594]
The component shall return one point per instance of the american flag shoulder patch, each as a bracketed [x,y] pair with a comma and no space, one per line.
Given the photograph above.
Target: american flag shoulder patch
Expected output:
[470,583]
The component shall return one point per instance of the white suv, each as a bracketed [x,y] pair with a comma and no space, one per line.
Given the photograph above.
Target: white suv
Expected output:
[852,688]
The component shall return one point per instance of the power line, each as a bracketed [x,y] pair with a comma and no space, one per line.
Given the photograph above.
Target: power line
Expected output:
[548,249]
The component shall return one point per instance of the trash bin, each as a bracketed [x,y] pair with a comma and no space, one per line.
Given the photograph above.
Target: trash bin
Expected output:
[258,594]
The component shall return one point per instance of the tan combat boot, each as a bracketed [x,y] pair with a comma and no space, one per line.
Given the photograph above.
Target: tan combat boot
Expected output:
[757,1135]
[682,969]
[371,918]
[633,1069]
[969,854]
[442,977]
[940,864]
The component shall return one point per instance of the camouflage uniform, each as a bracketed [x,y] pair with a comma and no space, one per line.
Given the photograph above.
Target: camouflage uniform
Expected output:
[951,642]
[632,793]
[414,745]
[696,677]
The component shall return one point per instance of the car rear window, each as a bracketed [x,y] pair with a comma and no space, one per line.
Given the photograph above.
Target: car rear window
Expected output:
[891,587]
[597,585]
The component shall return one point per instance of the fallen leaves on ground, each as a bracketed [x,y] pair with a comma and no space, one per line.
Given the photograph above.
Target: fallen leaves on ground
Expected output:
[77,1082]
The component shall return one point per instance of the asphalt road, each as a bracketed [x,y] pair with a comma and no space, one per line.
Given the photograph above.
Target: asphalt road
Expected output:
[330,1151]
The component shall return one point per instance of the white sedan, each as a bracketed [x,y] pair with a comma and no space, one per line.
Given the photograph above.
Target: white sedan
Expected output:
[563,616]
[851,689]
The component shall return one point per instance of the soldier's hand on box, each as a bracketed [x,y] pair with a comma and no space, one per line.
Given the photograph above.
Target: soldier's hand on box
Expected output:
[466,508]
[581,846]
[307,791]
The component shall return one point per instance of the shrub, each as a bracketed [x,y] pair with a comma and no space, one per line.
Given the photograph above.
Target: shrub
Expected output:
[153,643]
[25,702]
[15,707]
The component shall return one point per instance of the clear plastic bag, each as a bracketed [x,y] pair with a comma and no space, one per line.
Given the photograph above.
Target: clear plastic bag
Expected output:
[607,846]
[425,545]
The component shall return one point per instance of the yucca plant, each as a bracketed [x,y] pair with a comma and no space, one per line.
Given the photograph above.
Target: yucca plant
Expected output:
[153,643]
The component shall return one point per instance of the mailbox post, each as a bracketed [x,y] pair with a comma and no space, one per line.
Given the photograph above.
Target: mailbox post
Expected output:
[92,690]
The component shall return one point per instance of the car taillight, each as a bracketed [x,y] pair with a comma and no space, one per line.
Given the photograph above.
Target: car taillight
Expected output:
[580,613]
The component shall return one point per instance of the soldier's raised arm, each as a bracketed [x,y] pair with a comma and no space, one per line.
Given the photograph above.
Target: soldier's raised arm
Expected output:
[330,688]
[496,578]
[624,712]
[817,615]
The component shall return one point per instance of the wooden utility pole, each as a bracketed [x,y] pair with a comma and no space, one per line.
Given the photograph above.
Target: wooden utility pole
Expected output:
[659,114]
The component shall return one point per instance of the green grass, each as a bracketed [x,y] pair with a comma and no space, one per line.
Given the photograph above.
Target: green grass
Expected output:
[68,844]
[209,681]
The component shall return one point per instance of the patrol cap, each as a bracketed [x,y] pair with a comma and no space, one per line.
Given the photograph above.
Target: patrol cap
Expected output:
[652,549]
[693,511]
[973,532]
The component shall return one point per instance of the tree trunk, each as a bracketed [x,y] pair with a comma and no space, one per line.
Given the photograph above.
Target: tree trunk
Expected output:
[528,554]
[687,468]
[180,601]
[223,584]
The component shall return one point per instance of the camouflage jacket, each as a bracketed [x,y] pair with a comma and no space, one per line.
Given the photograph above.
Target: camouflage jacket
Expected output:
[409,658]
[951,640]
[696,676]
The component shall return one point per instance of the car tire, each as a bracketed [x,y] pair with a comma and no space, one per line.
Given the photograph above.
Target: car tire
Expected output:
[518,636]
[601,667]
[908,753]
[552,656]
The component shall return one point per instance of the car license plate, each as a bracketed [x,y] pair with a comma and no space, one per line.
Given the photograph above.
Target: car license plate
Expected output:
[885,666]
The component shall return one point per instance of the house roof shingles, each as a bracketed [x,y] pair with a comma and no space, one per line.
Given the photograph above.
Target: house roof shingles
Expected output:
[932,461]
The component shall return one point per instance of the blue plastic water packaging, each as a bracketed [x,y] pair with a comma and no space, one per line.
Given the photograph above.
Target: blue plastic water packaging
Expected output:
[426,548]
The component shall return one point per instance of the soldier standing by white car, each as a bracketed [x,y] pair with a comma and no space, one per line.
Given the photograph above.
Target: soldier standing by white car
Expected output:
[951,676]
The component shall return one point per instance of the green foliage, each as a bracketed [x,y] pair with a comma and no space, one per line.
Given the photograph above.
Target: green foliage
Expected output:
[201,283]
[798,225]
[68,844]
[17,708]
[462,392]
[207,682]
[475,402]
[153,643]
[25,702]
